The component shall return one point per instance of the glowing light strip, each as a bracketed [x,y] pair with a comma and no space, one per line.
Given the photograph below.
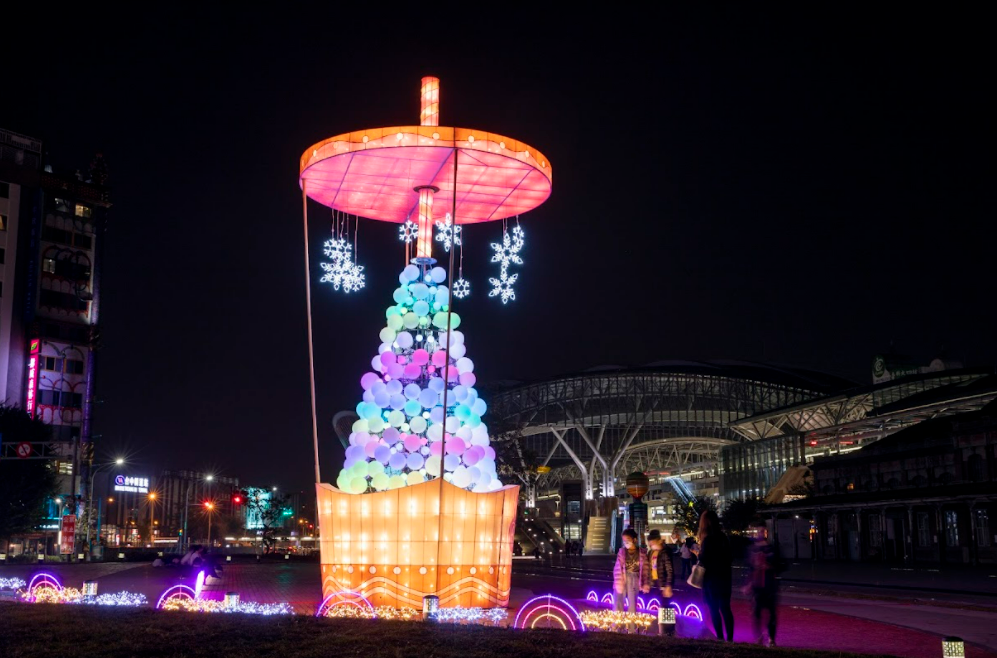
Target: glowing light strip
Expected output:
[343,593]
[199,584]
[12,583]
[549,616]
[540,602]
[47,580]
[174,591]
[692,610]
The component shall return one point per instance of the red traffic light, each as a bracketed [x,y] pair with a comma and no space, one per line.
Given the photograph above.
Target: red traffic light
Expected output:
[237,500]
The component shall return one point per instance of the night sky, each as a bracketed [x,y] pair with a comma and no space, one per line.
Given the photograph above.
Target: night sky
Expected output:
[804,189]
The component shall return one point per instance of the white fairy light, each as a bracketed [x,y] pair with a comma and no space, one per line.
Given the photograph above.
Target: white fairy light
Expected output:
[503,286]
[508,251]
[461,288]
[408,231]
[447,233]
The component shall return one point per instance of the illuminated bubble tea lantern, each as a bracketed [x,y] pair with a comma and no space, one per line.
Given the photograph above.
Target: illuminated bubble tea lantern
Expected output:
[418,508]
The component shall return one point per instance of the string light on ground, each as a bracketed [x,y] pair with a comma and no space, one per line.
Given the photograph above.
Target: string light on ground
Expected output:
[73,596]
[178,604]
[548,612]
[461,615]
[12,583]
[611,620]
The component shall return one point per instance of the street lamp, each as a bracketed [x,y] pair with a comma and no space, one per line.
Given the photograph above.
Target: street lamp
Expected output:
[117,462]
[152,519]
[210,507]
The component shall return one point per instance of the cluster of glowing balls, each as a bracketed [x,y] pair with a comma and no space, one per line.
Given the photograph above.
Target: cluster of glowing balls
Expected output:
[611,620]
[187,604]
[461,615]
[398,439]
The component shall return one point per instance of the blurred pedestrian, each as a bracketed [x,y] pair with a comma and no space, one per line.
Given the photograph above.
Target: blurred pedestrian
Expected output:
[764,563]
[716,559]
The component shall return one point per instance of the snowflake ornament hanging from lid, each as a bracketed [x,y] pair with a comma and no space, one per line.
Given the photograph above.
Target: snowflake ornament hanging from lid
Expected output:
[447,233]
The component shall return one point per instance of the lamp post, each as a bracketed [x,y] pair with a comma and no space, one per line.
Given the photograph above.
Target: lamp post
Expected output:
[152,518]
[117,462]
[210,507]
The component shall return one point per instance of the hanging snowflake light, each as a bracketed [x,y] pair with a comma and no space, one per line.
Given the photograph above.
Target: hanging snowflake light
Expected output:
[337,248]
[508,251]
[447,233]
[461,288]
[408,231]
[336,272]
[354,279]
[502,287]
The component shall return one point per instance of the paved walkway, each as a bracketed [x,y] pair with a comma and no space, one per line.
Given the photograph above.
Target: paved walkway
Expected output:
[815,623]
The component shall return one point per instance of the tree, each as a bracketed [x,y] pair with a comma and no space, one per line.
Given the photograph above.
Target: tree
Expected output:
[738,514]
[689,513]
[265,514]
[25,484]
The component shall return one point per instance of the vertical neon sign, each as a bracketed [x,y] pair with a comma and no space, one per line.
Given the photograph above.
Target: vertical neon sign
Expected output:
[32,376]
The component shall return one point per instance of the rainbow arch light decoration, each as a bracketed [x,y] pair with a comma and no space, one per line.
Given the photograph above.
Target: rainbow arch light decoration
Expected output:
[176,592]
[548,611]
[649,605]
[418,507]
[343,598]
[43,580]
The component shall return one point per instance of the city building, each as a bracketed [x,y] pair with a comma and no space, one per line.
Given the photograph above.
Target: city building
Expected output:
[51,225]
[926,494]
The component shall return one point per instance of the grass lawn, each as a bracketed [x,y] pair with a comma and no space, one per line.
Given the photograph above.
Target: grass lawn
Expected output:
[37,631]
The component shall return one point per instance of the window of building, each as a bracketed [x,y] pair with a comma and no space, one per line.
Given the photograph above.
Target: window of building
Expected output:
[951,528]
[976,465]
[982,528]
[82,241]
[48,265]
[61,205]
[51,363]
[57,235]
[62,300]
[82,211]
[923,529]
[74,367]
[3,222]
[65,468]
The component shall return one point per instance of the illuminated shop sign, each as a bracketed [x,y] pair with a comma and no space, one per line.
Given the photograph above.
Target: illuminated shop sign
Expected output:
[131,484]
[33,351]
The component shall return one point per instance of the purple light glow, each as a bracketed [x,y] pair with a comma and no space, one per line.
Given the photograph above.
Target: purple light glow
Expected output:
[346,601]
[47,580]
[539,603]
[177,591]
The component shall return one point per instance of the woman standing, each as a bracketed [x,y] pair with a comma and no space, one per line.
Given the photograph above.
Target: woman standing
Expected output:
[630,573]
[715,558]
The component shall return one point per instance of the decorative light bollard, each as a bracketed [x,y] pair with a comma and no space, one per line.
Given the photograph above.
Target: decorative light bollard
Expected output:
[231,600]
[121,556]
[430,604]
[666,620]
[953,647]
[41,557]
[228,558]
[89,590]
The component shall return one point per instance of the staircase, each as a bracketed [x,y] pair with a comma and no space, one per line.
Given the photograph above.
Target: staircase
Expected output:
[597,539]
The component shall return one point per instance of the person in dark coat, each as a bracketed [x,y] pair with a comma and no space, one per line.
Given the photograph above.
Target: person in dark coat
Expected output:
[715,557]
[765,564]
[659,559]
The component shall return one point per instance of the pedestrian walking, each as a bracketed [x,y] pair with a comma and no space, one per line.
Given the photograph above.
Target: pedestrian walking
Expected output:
[662,571]
[764,564]
[715,558]
[630,573]
[688,555]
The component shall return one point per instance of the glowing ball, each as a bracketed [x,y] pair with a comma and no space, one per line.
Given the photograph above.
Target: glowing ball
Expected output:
[420,291]
[464,365]
[418,424]
[439,358]
[490,453]
[396,370]
[450,462]
[432,466]
[435,432]
[472,455]
[394,323]
[400,295]
[437,414]
[442,296]
[436,448]
[414,461]
[479,407]
[414,478]
[463,412]
[410,320]
[410,273]
[382,399]
[387,335]
[368,396]
[375,468]
[379,482]
[343,480]
[396,482]
[369,380]
[479,435]
[483,481]
[404,339]
[397,461]
[420,357]
[375,424]
[438,275]
[393,388]
[421,308]
[375,363]
[428,398]
[412,392]
[468,379]
[371,447]
[396,418]
[413,443]
[461,477]
[412,407]
[460,392]
[355,452]
[360,425]
[358,485]
[455,446]
[452,425]
[440,320]
[457,351]
[436,385]
[397,401]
